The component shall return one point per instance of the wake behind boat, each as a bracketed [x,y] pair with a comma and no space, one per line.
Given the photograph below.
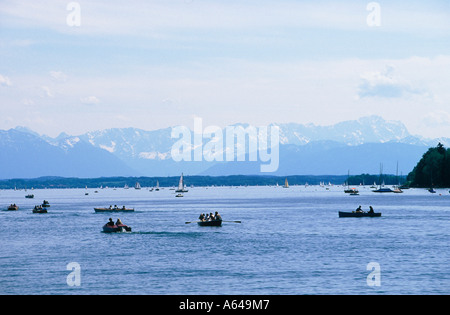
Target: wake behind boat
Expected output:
[114,209]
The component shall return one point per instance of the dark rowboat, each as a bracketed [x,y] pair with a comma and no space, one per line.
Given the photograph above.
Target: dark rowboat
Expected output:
[116,228]
[354,214]
[210,223]
[113,210]
[39,210]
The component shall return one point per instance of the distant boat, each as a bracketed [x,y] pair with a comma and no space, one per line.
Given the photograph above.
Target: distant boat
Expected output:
[137,186]
[115,209]
[126,187]
[157,186]
[179,195]
[381,189]
[39,209]
[181,186]
[29,196]
[349,190]
[286,184]
[13,207]
[431,190]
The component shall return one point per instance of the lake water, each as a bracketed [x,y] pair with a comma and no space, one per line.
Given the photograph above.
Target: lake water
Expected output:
[290,241]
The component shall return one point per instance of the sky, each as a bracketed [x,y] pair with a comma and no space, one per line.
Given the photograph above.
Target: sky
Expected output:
[79,66]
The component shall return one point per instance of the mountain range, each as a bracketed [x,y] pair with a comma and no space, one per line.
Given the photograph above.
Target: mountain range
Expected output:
[355,146]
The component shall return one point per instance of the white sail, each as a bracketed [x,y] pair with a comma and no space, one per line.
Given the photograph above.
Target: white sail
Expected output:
[181,187]
[137,186]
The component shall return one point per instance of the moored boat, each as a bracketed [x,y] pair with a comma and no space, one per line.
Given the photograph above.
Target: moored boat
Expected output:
[355,214]
[116,228]
[210,223]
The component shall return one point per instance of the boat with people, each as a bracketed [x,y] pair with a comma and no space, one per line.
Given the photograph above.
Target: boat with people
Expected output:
[31,196]
[39,209]
[358,213]
[45,204]
[112,227]
[210,223]
[354,214]
[114,209]
[13,207]
[210,219]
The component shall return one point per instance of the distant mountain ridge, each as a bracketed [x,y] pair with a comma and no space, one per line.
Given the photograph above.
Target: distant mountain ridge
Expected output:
[355,145]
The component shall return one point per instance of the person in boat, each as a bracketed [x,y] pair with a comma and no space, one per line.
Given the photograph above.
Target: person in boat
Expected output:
[110,223]
[217,216]
[118,222]
[202,217]
[371,209]
[110,206]
[207,217]
[123,208]
[359,210]
[211,216]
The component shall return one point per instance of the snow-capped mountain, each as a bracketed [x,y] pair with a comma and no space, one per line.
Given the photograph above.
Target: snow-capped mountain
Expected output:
[305,149]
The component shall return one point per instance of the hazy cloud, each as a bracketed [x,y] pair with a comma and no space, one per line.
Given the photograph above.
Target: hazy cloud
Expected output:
[384,84]
[90,100]
[4,81]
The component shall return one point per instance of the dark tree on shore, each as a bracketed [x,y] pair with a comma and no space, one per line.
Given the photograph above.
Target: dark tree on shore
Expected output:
[433,170]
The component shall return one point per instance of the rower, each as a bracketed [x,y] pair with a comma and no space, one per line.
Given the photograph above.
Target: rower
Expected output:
[217,216]
[371,209]
[110,223]
[359,209]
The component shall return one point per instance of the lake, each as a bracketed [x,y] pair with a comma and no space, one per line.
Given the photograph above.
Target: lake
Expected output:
[291,241]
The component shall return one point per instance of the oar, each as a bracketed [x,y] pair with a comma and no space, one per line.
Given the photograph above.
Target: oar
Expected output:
[191,222]
[233,221]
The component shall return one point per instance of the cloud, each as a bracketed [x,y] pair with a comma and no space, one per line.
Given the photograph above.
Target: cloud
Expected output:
[90,100]
[4,81]
[47,91]
[437,119]
[384,84]
[58,76]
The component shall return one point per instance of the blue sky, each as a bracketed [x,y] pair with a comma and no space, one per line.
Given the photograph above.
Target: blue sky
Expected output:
[155,64]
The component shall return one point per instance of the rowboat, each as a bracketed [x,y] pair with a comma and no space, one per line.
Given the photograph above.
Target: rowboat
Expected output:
[210,223]
[13,207]
[354,214]
[115,209]
[38,209]
[116,228]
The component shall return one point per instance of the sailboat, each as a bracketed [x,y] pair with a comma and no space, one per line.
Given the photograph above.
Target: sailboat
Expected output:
[397,189]
[382,189]
[137,186]
[157,186]
[181,185]
[286,184]
[349,190]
